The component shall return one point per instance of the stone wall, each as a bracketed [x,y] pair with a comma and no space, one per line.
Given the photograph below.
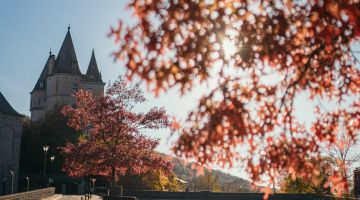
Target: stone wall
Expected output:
[60,89]
[10,139]
[38,104]
[206,195]
[31,195]
[95,88]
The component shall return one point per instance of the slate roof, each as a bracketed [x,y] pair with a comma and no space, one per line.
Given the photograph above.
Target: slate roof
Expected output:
[92,73]
[6,109]
[41,82]
[66,61]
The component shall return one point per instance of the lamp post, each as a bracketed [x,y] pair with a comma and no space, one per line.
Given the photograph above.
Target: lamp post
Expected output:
[45,148]
[12,181]
[27,183]
[92,188]
[52,158]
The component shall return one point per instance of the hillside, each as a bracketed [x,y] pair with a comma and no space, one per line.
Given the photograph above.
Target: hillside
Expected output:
[226,182]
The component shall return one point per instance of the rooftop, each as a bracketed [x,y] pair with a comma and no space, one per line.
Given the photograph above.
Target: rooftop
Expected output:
[6,109]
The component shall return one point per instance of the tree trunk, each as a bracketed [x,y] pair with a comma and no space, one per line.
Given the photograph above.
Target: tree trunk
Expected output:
[112,181]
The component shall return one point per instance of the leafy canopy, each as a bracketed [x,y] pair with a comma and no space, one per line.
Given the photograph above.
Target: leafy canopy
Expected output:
[261,55]
[318,185]
[113,144]
[152,180]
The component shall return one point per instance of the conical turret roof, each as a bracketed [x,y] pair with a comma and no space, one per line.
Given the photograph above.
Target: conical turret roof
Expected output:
[41,82]
[6,109]
[92,73]
[66,61]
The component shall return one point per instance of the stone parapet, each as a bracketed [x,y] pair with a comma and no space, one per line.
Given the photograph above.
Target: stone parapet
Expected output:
[207,195]
[31,195]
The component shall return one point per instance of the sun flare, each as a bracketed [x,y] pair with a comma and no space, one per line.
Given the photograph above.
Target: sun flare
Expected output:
[229,48]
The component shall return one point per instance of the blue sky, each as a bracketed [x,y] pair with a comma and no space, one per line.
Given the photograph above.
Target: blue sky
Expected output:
[28,29]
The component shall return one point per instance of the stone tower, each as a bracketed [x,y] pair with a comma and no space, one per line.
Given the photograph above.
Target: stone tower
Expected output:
[10,139]
[61,78]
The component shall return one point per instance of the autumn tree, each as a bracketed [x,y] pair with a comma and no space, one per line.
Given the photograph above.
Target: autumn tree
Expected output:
[206,181]
[300,186]
[152,180]
[112,143]
[344,156]
[260,56]
[297,186]
[238,186]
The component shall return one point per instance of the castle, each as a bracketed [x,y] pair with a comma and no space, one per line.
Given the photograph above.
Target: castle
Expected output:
[61,78]
[10,139]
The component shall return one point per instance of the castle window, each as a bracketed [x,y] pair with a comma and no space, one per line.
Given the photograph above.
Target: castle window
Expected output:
[41,84]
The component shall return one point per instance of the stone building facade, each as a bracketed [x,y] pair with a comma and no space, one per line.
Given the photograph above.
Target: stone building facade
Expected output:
[61,78]
[10,139]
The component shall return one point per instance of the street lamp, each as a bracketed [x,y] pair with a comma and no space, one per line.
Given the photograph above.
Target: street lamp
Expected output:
[92,189]
[27,183]
[12,181]
[45,148]
[52,158]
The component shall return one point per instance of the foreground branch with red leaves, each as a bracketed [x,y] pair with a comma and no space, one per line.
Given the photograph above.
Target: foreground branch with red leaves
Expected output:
[112,144]
[280,49]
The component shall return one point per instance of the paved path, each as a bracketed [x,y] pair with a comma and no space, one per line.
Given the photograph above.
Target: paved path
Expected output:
[78,197]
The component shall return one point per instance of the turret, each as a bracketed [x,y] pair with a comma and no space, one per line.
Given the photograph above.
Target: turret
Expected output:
[66,77]
[51,64]
[93,80]
[66,61]
[38,94]
[92,73]
[61,78]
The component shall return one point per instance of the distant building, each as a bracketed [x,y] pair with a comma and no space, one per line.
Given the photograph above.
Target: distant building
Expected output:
[61,78]
[357,182]
[10,139]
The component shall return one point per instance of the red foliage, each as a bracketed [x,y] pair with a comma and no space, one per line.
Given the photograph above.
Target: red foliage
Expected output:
[112,144]
[303,46]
